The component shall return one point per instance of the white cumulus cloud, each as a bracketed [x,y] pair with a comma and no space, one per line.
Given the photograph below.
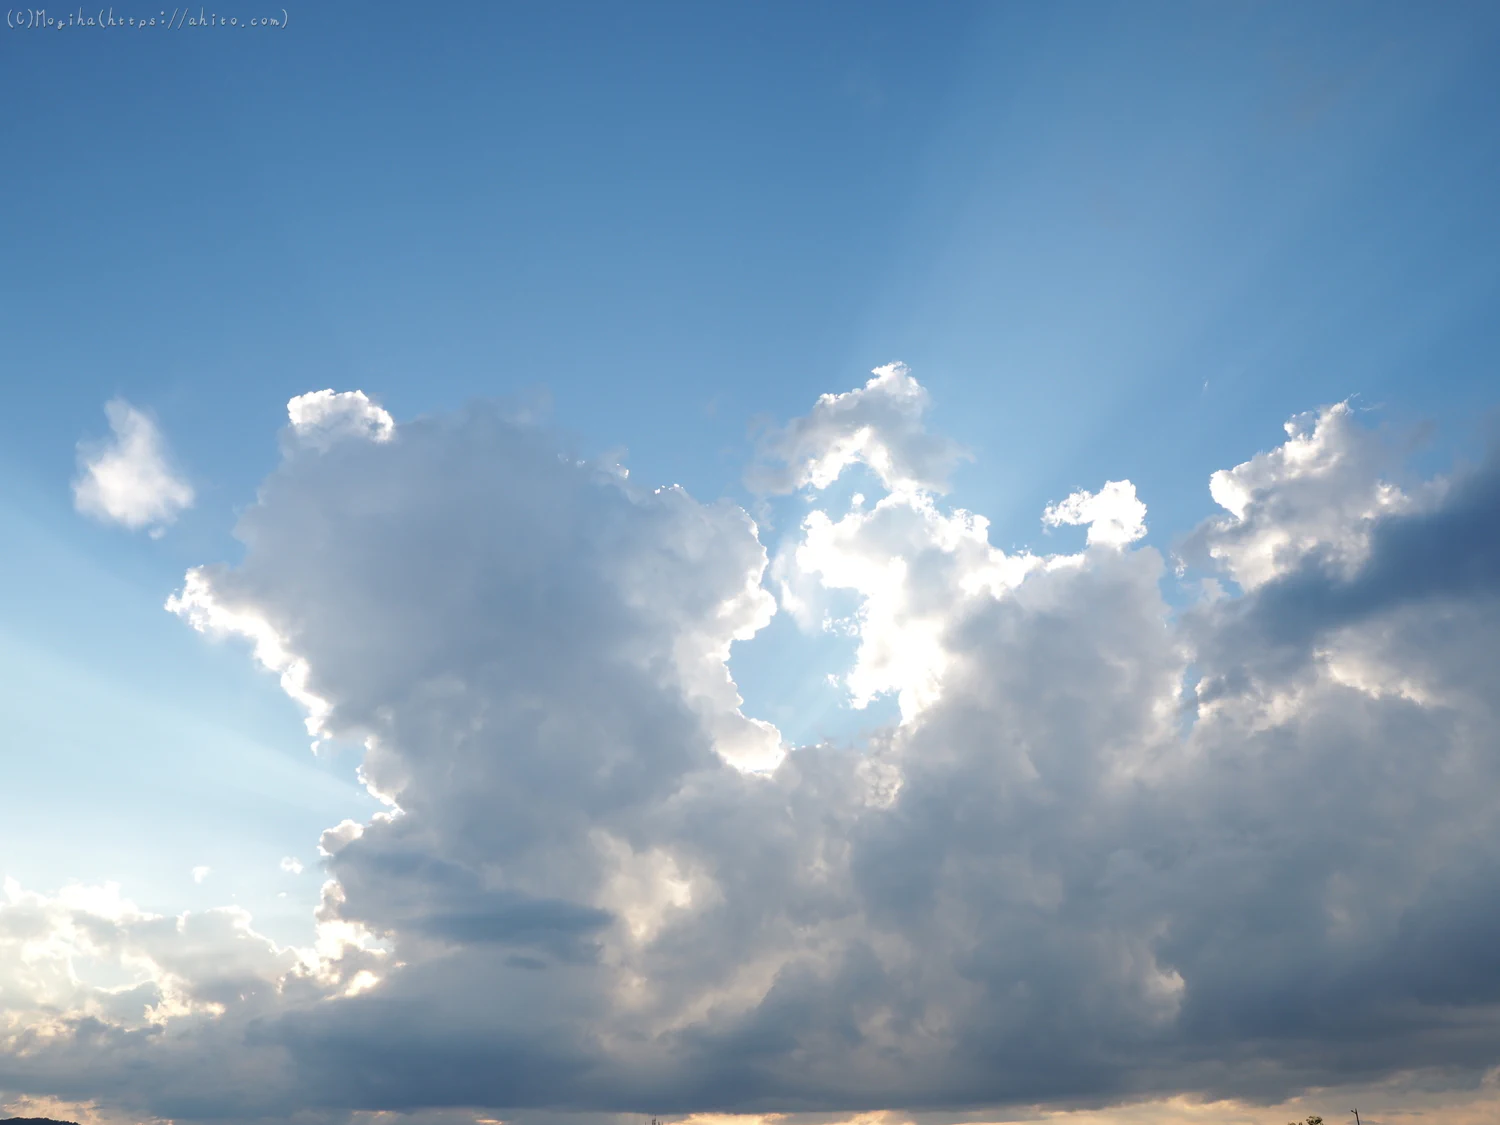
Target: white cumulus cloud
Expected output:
[321,418]
[128,479]
[879,425]
[1114,515]
[1320,493]
[1112,850]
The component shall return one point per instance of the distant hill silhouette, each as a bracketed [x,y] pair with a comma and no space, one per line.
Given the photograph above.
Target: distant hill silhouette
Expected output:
[33,1121]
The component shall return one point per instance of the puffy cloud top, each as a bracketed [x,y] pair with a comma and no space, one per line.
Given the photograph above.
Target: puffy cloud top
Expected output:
[1114,515]
[1322,492]
[320,418]
[879,425]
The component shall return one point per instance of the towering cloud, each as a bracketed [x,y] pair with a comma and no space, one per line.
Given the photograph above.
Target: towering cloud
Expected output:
[1111,849]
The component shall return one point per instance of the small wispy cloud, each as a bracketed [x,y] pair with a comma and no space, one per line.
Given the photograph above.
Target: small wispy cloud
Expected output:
[201,873]
[291,864]
[128,478]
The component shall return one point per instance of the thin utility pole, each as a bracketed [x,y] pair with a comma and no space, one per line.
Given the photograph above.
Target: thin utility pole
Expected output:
[1353,1111]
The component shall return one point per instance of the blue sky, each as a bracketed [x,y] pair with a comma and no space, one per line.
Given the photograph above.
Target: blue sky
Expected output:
[1111,241]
